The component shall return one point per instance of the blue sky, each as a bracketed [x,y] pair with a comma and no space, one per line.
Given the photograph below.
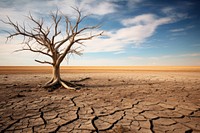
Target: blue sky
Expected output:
[138,32]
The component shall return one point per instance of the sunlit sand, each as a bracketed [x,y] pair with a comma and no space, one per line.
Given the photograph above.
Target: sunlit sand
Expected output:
[113,99]
[85,69]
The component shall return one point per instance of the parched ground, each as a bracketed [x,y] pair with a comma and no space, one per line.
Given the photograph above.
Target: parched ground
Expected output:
[135,102]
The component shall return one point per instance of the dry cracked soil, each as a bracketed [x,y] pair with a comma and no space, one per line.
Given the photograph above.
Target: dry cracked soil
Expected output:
[137,102]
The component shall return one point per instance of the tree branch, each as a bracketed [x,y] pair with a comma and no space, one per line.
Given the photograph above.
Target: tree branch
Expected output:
[88,38]
[43,62]
[46,37]
[56,21]
[35,51]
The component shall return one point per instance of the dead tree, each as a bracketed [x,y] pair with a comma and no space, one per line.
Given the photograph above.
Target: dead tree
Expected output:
[39,38]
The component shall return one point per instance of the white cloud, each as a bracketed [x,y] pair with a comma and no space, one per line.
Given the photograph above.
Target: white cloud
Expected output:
[38,8]
[94,7]
[182,29]
[9,57]
[89,6]
[98,7]
[136,31]
[139,28]
[103,45]
[139,20]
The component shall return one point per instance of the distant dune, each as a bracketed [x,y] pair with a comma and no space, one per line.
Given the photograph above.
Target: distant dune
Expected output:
[87,69]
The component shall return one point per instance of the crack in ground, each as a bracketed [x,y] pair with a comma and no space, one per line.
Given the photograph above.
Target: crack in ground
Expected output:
[114,123]
[2,131]
[69,122]
[72,99]
[18,120]
[112,113]
[42,117]
[151,126]
[118,110]
[190,128]
[32,129]
[95,118]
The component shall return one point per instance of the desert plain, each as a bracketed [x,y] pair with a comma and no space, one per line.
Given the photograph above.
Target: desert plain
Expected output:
[113,100]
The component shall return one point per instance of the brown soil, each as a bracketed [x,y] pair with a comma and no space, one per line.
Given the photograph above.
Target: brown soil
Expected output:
[129,101]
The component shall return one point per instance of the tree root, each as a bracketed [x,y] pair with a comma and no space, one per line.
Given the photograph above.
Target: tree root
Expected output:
[55,84]
[66,86]
[83,79]
[49,82]
[73,85]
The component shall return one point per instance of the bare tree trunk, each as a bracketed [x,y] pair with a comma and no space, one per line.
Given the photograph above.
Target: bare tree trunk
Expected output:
[56,80]
[56,72]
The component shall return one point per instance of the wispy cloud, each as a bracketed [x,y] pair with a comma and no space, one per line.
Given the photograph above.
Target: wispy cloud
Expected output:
[174,14]
[8,56]
[165,56]
[94,7]
[98,7]
[103,45]
[177,30]
[143,19]
[15,9]
[135,31]
[190,55]
[139,28]
[182,29]
[179,59]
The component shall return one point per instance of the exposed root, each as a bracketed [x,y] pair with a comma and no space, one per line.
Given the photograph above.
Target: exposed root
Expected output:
[55,84]
[66,86]
[83,79]
[73,85]
[49,82]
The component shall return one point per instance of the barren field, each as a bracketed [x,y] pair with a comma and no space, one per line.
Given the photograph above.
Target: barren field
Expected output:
[114,99]
[94,69]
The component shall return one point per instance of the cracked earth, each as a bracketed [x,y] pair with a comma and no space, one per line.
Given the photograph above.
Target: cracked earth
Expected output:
[139,102]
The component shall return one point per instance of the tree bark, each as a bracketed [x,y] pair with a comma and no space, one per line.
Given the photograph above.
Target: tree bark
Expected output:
[56,72]
[56,80]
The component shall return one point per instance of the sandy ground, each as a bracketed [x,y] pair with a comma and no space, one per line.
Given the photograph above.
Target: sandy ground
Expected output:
[140,102]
